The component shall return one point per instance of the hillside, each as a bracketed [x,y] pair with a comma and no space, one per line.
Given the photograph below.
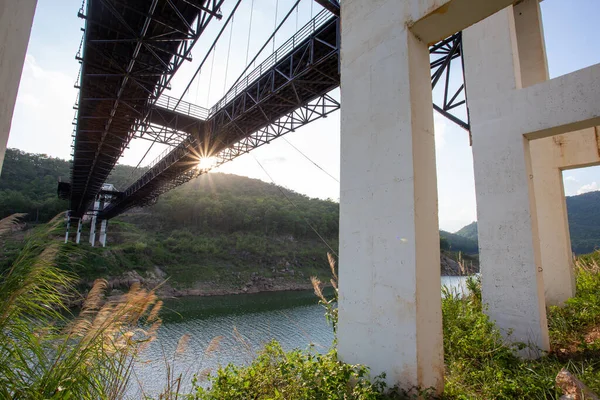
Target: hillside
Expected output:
[28,184]
[211,235]
[458,243]
[584,223]
[468,231]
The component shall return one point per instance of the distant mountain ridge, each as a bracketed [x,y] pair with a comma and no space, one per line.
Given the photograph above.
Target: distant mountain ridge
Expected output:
[584,224]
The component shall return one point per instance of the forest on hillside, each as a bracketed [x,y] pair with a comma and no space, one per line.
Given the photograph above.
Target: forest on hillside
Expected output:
[224,204]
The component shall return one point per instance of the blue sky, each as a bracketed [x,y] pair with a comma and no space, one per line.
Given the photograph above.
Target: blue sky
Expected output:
[43,114]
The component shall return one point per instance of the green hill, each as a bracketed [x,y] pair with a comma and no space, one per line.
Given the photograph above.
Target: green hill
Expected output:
[468,231]
[223,230]
[459,243]
[584,223]
[214,233]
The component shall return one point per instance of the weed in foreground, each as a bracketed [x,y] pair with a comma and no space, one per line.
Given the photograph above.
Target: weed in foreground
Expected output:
[46,352]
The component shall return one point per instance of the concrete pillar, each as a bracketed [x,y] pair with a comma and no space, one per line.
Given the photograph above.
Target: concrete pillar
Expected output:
[550,156]
[93,231]
[79,225]
[103,226]
[553,226]
[68,227]
[510,260]
[390,303]
[93,221]
[16,18]
[555,240]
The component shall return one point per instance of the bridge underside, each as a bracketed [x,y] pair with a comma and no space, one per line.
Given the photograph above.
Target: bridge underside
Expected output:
[290,89]
[122,81]
[131,49]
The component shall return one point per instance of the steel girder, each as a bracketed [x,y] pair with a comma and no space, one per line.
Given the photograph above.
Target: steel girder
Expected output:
[129,53]
[287,91]
[443,56]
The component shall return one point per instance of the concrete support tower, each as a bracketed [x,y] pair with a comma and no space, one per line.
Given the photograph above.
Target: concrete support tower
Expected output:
[79,226]
[103,227]
[389,308]
[97,204]
[513,106]
[68,218]
[509,248]
[16,18]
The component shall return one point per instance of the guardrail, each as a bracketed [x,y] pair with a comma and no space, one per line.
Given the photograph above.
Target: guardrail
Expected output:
[183,107]
[306,31]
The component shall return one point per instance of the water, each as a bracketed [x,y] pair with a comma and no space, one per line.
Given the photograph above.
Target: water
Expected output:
[294,319]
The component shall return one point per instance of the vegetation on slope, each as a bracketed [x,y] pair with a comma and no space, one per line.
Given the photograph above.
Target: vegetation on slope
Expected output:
[468,231]
[584,221]
[584,225]
[458,243]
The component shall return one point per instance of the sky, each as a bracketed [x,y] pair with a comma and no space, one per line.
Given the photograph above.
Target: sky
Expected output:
[42,121]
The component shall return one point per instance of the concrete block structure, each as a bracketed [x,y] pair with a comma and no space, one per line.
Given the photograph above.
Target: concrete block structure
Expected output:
[525,130]
[551,156]
[16,18]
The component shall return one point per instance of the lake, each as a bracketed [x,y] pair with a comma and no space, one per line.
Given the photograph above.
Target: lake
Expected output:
[246,322]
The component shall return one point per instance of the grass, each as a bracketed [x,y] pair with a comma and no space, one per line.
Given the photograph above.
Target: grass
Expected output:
[49,353]
[480,364]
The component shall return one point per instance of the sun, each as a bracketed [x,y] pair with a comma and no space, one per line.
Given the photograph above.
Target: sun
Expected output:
[206,163]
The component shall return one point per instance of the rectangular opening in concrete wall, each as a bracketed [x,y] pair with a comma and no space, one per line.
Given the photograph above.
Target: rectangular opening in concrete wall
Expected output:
[456,197]
[571,34]
[582,191]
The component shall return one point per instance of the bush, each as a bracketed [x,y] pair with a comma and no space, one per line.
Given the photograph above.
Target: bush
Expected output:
[275,374]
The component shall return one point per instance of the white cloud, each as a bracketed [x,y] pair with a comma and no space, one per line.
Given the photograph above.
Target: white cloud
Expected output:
[590,187]
[571,178]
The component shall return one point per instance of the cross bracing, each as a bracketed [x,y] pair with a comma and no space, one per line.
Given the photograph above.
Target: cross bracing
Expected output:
[130,51]
[288,90]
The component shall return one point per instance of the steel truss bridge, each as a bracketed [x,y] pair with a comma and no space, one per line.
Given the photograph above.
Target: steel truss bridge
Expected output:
[131,49]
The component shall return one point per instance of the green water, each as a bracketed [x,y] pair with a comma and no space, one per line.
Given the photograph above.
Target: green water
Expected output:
[292,318]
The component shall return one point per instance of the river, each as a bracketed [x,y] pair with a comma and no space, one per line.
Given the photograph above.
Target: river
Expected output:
[245,322]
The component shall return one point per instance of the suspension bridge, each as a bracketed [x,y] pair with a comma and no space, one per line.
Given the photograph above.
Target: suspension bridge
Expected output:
[131,50]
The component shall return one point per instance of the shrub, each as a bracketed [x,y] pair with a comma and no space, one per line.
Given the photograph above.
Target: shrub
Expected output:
[276,374]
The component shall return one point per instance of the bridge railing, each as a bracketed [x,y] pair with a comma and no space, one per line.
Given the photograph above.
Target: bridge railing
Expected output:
[182,107]
[306,31]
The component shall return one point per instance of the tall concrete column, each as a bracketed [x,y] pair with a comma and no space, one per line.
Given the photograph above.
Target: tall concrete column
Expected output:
[512,281]
[103,226]
[390,303]
[550,156]
[93,231]
[555,240]
[16,18]
[553,225]
[97,205]
[79,226]
[68,218]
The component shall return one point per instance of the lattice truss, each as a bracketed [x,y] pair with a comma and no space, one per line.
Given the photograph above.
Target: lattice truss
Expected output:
[129,53]
[449,94]
[287,91]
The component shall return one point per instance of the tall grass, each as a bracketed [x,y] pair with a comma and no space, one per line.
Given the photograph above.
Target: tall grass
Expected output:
[49,353]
